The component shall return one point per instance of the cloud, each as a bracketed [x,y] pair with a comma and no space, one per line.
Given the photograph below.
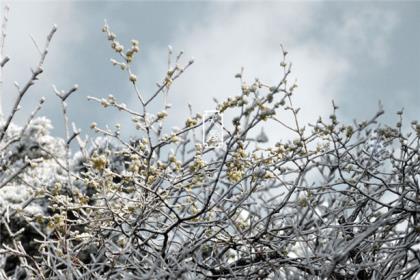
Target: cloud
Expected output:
[250,36]
[325,43]
[363,31]
[36,19]
[323,52]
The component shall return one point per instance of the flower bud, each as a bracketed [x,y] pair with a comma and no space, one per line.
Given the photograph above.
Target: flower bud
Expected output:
[133,78]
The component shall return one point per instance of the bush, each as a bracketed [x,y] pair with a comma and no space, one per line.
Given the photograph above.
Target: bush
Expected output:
[337,201]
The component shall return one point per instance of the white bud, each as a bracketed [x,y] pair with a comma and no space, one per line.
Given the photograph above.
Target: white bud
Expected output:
[133,78]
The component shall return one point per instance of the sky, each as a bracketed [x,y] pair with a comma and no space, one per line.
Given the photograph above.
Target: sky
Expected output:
[355,53]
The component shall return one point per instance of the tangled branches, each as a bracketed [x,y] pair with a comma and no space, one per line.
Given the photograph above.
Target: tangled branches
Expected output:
[337,201]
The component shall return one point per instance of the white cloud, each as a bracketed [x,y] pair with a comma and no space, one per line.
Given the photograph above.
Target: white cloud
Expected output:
[363,31]
[250,35]
[37,19]
[229,36]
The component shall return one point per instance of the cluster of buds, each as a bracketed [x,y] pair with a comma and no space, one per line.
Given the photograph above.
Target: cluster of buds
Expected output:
[302,202]
[56,190]
[246,89]
[119,48]
[138,121]
[177,164]
[81,198]
[115,45]
[198,163]
[56,222]
[234,174]
[169,76]
[172,138]
[236,167]
[135,48]
[333,118]
[99,162]
[231,102]
[190,122]
[142,144]
[161,115]
[266,113]
[389,132]
[349,131]
[135,164]
[104,103]
[278,150]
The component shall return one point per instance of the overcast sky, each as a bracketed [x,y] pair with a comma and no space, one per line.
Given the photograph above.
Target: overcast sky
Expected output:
[356,53]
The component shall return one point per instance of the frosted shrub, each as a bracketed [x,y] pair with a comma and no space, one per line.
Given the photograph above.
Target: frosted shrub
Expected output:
[337,201]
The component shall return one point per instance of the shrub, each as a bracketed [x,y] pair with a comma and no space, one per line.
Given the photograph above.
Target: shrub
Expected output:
[337,201]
